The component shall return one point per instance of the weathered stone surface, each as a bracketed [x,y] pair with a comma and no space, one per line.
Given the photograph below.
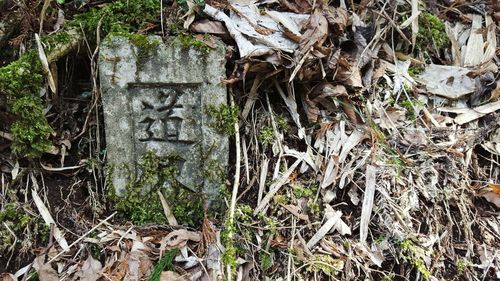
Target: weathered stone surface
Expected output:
[155,96]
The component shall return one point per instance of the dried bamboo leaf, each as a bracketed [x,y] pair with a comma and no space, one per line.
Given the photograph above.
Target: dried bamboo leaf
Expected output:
[371,173]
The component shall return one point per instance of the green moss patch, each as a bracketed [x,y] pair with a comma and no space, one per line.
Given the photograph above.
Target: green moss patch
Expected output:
[141,203]
[119,16]
[21,82]
[223,118]
[431,33]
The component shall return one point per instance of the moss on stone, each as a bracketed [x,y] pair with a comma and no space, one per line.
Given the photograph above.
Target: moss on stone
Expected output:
[141,203]
[56,39]
[188,41]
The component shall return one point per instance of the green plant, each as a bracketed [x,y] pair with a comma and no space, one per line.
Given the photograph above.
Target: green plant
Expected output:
[300,191]
[266,136]
[31,131]
[462,264]
[166,261]
[282,123]
[265,260]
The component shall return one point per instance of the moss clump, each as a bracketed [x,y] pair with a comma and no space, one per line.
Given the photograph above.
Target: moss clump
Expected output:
[265,260]
[306,192]
[223,118]
[156,173]
[17,220]
[415,70]
[431,33]
[410,252]
[21,82]
[31,132]
[56,39]
[188,41]
[119,16]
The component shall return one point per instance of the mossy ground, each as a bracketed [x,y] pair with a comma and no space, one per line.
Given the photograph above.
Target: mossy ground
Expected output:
[431,38]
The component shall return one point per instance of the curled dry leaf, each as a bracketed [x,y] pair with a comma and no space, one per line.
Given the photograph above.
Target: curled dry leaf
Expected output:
[338,19]
[178,238]
[321,95]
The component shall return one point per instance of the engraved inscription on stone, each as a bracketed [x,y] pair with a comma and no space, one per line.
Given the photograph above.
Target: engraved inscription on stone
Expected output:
[156,103]
[166,114]
[167,121]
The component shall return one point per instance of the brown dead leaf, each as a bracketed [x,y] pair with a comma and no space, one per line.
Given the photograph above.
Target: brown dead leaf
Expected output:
[209,26]
[297,6]
[90,270]
[316,32]
[44,270]
[7,277]
[321,96]
[338,19]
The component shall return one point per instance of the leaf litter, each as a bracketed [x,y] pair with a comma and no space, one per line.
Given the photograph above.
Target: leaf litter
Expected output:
[367,156]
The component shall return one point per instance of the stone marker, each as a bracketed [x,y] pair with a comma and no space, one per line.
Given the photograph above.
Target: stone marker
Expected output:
[155,97]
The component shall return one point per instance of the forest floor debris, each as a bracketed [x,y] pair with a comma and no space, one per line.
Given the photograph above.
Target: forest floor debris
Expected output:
[367,143]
